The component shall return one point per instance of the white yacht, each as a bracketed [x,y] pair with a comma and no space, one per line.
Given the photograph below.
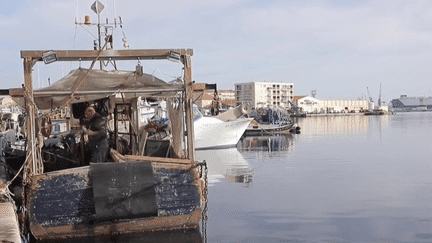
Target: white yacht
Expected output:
[211,132]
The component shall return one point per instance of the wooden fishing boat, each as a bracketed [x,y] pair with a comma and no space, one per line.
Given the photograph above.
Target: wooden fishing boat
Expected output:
[269,122]
[258,129]
[143,190]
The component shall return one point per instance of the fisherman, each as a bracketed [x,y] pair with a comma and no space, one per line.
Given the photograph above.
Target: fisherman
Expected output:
[97,135]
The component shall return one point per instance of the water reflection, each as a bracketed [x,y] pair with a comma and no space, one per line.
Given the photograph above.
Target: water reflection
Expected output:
[283,142]
[355,126]
[227,164]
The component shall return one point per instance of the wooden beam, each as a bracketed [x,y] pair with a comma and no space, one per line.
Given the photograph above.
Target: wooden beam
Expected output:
[136,158]
[90,55]
[30,109]
[199,86]
[16,92]
[189,108]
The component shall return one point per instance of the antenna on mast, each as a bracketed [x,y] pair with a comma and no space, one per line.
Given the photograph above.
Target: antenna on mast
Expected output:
[105,30]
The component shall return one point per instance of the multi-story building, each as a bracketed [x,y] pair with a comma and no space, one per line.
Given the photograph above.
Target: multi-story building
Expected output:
[265,94]
[224,94]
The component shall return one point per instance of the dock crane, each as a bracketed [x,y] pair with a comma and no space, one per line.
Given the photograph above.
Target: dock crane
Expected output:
[369,96]
[379,98]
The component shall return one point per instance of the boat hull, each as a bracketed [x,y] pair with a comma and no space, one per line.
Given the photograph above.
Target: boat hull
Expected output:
[111,198]
[219,134]
[261,130]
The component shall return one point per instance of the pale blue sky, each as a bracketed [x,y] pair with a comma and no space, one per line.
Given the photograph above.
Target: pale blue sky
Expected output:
[335,47]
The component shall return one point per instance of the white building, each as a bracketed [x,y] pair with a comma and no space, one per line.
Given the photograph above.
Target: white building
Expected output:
[265,94]
[226,94]
[313,105]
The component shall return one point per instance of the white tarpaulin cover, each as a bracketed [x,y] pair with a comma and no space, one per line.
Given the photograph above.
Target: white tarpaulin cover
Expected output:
[97,84]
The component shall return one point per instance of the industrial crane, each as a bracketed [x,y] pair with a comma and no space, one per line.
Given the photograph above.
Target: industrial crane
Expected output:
[370,97]
[379,98]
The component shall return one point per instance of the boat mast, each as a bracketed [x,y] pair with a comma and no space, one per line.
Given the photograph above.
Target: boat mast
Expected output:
[98,7]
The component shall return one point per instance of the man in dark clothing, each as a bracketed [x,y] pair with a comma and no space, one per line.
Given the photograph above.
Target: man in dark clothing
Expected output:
[97,134]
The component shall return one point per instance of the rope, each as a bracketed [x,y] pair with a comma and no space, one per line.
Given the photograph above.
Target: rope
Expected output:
[8,194]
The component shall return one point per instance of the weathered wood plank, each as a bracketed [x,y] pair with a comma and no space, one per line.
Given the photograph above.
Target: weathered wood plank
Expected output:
[62,203]
[188,221]
[176,191]
[156,159]
[16,92]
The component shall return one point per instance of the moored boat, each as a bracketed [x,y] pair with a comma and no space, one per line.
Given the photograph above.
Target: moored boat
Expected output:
[270,122]
[212,132]
[144,190]
[257,129]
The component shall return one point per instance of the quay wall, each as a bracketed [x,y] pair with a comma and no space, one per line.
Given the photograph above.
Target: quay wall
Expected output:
[336,114]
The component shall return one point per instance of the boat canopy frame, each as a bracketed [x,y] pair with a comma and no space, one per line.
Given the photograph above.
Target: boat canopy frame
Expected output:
[31,57]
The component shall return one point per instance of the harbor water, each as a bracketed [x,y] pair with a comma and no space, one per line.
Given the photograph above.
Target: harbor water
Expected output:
[343,179]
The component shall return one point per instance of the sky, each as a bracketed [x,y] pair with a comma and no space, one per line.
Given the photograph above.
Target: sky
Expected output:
[339,48]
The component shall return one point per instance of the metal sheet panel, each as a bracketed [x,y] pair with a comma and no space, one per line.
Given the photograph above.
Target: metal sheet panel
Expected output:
[123,190]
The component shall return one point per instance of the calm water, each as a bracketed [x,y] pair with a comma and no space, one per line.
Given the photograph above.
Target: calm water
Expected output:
[343,179]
